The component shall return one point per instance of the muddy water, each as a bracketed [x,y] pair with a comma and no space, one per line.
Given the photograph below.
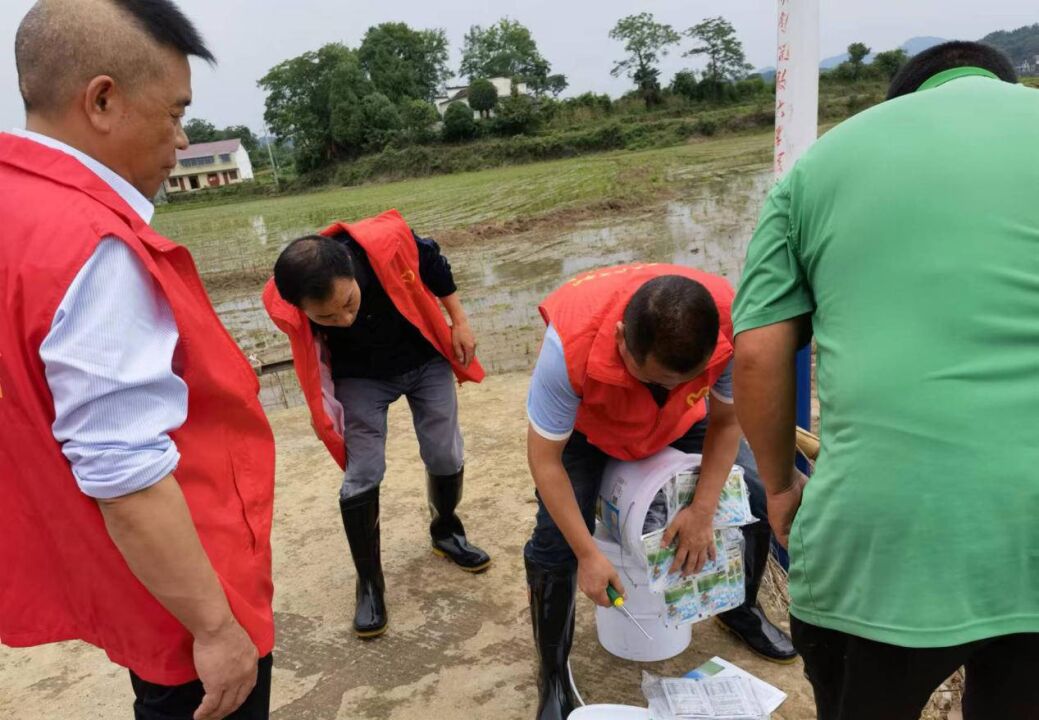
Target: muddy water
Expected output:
[502,279]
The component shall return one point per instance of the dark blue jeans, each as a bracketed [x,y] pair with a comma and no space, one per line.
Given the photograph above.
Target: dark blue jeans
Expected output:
[584,463]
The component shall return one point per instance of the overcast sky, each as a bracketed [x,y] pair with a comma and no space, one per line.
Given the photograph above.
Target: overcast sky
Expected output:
[250,36]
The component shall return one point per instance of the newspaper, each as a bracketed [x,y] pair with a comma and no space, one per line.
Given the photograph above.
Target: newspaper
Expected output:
[710,698]
[734,502]
[660,559]
[770,697]
[719,586]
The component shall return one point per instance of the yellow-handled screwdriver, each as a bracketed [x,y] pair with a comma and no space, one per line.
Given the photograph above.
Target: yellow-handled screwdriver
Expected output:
[618,602]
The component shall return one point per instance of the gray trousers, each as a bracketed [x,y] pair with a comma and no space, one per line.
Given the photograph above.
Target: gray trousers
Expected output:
[430,390]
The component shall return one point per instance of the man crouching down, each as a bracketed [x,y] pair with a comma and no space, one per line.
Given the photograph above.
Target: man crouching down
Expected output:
[359,304]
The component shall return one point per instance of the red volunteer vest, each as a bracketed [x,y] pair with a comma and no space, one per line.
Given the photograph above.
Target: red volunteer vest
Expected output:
[391,249]
[61,576]
[617,412]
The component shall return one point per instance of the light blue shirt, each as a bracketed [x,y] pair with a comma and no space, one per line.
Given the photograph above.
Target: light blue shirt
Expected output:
[109,363]
[552,403]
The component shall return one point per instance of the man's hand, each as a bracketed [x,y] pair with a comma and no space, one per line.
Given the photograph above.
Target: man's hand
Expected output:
[783,506]
[594,573]
[694,529]
[154,532]
[464,343]
[226,665]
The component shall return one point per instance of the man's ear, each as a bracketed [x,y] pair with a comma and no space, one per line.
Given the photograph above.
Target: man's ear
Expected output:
[99,103]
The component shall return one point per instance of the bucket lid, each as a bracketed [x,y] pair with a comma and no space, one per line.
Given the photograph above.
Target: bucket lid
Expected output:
[609,712]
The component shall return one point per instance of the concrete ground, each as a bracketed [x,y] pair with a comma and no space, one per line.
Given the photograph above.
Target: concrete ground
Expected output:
[459,646]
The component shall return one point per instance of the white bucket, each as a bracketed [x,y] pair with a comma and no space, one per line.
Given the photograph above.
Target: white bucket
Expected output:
[609,712]
[629,488]
[617,634]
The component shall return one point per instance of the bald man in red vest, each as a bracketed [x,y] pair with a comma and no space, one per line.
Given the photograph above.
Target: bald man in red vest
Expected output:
[133,520]
[635,358]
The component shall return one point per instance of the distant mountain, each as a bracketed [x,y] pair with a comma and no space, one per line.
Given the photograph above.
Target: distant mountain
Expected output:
[1021,45]
[915,46]
[912,46]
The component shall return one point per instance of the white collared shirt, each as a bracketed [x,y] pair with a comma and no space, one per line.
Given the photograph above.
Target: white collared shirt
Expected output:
[109,362]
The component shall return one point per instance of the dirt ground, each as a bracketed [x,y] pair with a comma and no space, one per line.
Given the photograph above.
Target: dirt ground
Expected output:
[459,646]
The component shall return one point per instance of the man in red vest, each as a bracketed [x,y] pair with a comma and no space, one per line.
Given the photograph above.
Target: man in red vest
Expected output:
[630,357]
[359,303]
[130,521]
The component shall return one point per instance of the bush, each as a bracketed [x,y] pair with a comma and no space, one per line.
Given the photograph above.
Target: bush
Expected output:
[382,121]
[752,87]
[601,103]
[516,115]
[418,120]
[458,122]
[684,85]
[706,127]
[548,110]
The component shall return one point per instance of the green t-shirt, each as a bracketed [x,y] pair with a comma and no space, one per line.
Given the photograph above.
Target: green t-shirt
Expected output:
[911,234]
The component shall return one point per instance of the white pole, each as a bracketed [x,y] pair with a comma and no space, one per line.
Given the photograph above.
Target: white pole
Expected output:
[797,81]
[797,127]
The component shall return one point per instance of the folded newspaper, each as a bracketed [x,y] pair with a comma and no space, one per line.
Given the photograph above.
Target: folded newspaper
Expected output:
[709,698]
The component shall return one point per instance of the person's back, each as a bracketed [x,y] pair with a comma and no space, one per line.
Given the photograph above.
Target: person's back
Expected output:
[924,263]
[910,237]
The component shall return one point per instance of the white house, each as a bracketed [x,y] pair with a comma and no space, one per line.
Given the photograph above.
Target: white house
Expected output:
[210,165]
[460,93]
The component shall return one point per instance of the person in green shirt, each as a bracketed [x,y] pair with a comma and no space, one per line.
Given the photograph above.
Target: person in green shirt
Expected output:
[906,240]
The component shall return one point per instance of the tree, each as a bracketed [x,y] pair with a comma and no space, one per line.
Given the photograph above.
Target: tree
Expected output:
[381,121]
[684,84]
[890,62]
[200,131]
[458,122]
[554,84]
[240,132]
[646,42]
[404,63]
[314,101]
[726,60]
[483,96]
[542,83]
[505,49]
[857,53]
[417,120]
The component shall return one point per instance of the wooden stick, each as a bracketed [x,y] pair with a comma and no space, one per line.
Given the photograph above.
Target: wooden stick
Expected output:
[807,444]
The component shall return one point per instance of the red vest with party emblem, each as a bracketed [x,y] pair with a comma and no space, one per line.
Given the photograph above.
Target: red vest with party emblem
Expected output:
[61,576]
[618,413]
[390,246]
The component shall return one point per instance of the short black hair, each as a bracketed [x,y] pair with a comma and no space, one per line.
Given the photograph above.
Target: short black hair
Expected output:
[959,53]
[61,44]
[674,319]
[308,268]
[167,25]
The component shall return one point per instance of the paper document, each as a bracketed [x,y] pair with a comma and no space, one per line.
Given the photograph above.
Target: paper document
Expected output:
[770,697]
[709,698]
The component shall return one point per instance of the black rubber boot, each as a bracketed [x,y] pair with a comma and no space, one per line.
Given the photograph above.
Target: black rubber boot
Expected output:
[361,522]
[444,492]
[552,596]
[748,622]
